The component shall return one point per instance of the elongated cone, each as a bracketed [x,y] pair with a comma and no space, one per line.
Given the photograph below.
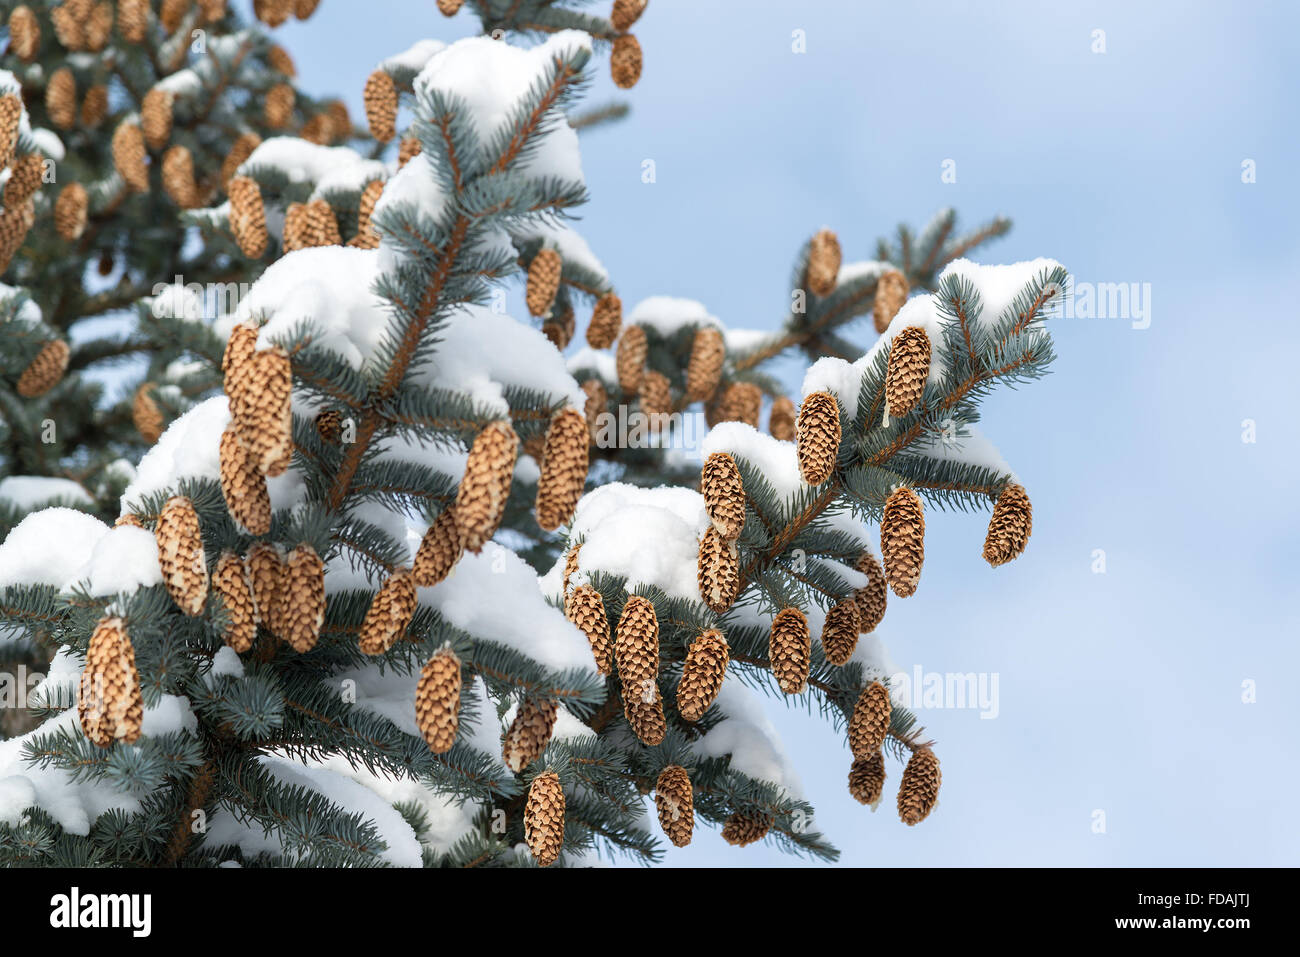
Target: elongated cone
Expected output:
[322,226]
[61,98]
[704,369]
[180,554]
[70,211]
[869,725]
[329,426]
[238,362]
[178,177]
[156,117]
[570,567]
[279,60]
[44,371]
[873,597]
[823,263]
[133,19]
[437,701]
[891,293]
[263,412]
[14,225]
[636,651]
[129,156]
[606,321]
[909,367]
[24,179]
[1010,527]
[266,573]
[243,486]
[625,61]
[919,789]
[485,486]
[172,12]
[630,361]
[626,13]
[702,674]
[867,778]
[389,614]
[595,406]
[586,608]
[247,216]
[902,541]
[94,106]
[724,494]
[241,150]
[439,551]
[564,468]
[738,402]
[367,236]
[790,650]
[718,570]
[544,818]
[303,9]
[840,632]
[746,827]
[109,704]
[818,440]
[380,100]
[408,150]
[543,281]
[780,421]
[11,112]
[530,732]
[230,581]
[24,33]
[303,598]
[675,802]
[656,397]
[145,414]
[277,109]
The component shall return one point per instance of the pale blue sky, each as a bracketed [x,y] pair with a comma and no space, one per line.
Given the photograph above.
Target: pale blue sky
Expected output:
[1120,692]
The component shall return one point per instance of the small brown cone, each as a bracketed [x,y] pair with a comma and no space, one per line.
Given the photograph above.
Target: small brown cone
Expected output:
[656,397]
[902,541]
[570,568]
[630,360]
[823,263]
[109,704]
[230,581]
[240,150]
[718,570]
[724,494]
[70,212]
[277,109]
[675,802]
[586,609]
[24,33]
[606,321]
[129,156]
[367,237]
[94,106]
[171,13]
[596,405]
[133,19]
[746,827]
[15,222]
[11,113]
[704,369]
[178,177]
[625,61]
[295,235]
[529,733]
[329,426]
[818,438]
[840,632]
[543,281]
[247,216]
[790,650]
[266,572]
[61,98]
[564,468]
[449,8]
[636,653]
[909,366]
[544,810]
[128,518]
[389,614]
[243,486]
[319,129]
[180,555]
[891,293]
[780,420]
[156,117]
[626,13]
[869,725]
[867,778]
[322,228]
[919,789]
[303,599]
[437,701]
[44,371]
[272,12]
[145,414]
[303,9]
[702,673]
[439,551]
[485,486]
[1010,527]
[872,597]
[738,402]
[380,100]
[212,10]
[408,150]
[279,60]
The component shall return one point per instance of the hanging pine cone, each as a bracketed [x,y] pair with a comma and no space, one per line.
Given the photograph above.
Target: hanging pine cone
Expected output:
[485,486]
[702,673]
[15,222]
[439,551]
[632,351]
[818,440]
[626,13]
[318,129]
[586,608]
[606,321]
[704,369]
[145,414]
[178,177]
[61,98]
[823,263]
[872,597]
[1010,526]
[746,827]
[212,10]
[329,426]
[171,13]
[45,370]
[389,614]
[595,406]
[243,486]
[11,114]
[449,8]
[279,60]
[380,100]
[869,725]
[295,235]
[909,367]
[636,652]
[272,12]
[259,385]
[24,33]
[437,701]
[543,281]
[718,570]
[564,468]
[738,402]
[94,106]
[266,573]
[109,705]
[367,236]
[780,420]
[237,364]
[840,632]
[570,568]
[530,732]
[303,9]
[99,27]
[867,778]
[891,293]
[675,802]
[724,494]
[790,650]
[247,216]
[902,541]
[230,581]
[277,110]
[240,151]
[70,212]
[156,117]
[322,229]
[180,554]
[625,61]
[408,150]
[656,398]
[129,156]
[544,811]
[133,19]
[302,599]
[919,789]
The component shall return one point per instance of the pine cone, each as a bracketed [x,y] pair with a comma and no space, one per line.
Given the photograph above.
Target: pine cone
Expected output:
[44,371]
[869,725]
[145,414]
[702,673]
[322,229]
[449,8]
[156,117]
[718,570]
[408,150]
[99,27]
[891,293]
[626,13]
[544,812]
[61,98]
[303,598]
[303,9]
[656,398]
[277,110]
[11,114]
[110,706]
[596,405]
[675,802]
[389,614]
[625,61]
[243,486]
[439,551]
[724,495]
[129,156]
[272,12]
[636,652]
[318,129]
[840,632]
[367,236]
[1010,526]
[212,10]
[94,106]
[746,827]
[867,779]
[909,367]
[543,281]
[70,211]
[15,222]
[872,597]
[230,581]
[437,701]
[171,13]
[902,541]
[260,389]
[606,321]
[738,402]
[329,426]
[295,235]
[564,468]
[247,216]
[632,351]
[645,715]
[279,60]
[485,486]
[133,19]
[570,567]
[704,369]
[178,177]
[919,789]
[586,608]
[380,100]
[530,732]
[24,33]
[823,263]
[128,518]
[790,650]
[780,420]
[818,440]
[240,150]
[266,573]
[559,328]
[180,555]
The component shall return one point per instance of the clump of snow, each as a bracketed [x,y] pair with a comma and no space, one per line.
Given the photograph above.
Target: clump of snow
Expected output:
[182,83]
[48,142]
[971,448]
[998,286]
[859,270]
[28,491]
[177,300]
[302,161]
[49,547]
[667,314]
[29,311]
[123,560]
[414,57]
[602,363]
[776,460]
[749,737]
[226,663]
[744,341]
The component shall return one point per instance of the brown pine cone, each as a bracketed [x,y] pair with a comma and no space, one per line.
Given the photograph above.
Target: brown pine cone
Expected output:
[15,223]
[559,328]
[408,150]
[367,236]
[724,494]
[247,216]
[790,650]
[24,33]
[606,321]
[279,60]
[645,716]
[277,110]
[272,12]
[823,263]
[564,468]
[129,156]
[178,177]
[902,541]
[818,440]
[485,486]
[109,705]
[543,281]
[702,673]
[625,61]
[872,597]
[586,608]
[656,398]
[329,426]
[171,13]
[780,420]
[675,802]
[636,647]
[303,598]
[322,228]
[919,789]
[240,150]
[437,701]
[570,568]
[746,827]
[630,360]
[145,414]
[869,725]
[266,572]
[544,810]
[94,106]
[718,570]
[261,407]
[449,8]
[439,551]
[380,100]
[738,402]
[180,555]
[11,114]
[909,367]
[45,370]
[61,98]
[891,293]
[840,632]
[133,19]
[69,21]
[867,779]
[243,486]
[704,369]
[529,733]
[295,235]
[303,9]
[596,405]
[389,614]
[626,13]
[156,117]
[99,26]
[318,129]
[70,212]
[1010,527]
[230,581]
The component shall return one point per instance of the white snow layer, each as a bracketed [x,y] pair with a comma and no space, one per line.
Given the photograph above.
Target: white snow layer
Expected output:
[414,57]
[49,547]
[27,491]
[667,314]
